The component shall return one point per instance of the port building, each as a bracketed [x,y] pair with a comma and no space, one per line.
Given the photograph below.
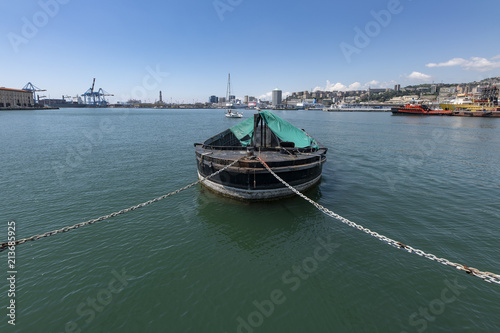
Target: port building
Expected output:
[16,98]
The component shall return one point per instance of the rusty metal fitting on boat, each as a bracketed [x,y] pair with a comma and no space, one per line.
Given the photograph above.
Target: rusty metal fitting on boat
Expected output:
[471,270]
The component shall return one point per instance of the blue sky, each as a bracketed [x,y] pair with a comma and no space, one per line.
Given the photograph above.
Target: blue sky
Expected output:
[187,48]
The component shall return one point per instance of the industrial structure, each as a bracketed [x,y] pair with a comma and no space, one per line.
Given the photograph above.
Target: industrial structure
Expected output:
[34,89]
[490,95]
[95,98]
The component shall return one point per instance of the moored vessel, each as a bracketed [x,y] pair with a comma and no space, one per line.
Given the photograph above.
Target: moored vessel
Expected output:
[233,114]
[475,113]
[419,110]
[229,112]
[292,154]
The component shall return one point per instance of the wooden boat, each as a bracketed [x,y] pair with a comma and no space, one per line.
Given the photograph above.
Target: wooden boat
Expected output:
[290,152]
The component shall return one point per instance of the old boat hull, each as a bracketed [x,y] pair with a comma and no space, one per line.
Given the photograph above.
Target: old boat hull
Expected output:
[238,193]
[249,180]
[232,159]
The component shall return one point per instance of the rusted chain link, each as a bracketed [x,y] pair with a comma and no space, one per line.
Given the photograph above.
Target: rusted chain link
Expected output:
[486,276]
[4,246]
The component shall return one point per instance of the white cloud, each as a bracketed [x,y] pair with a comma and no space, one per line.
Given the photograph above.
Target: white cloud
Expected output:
[266,96]
[449,63]
[417,76]
[354,86]
[336,86]
[373,84]
[474,63]
[331,87]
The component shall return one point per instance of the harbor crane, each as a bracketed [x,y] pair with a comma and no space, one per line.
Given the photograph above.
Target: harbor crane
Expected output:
[93,98]
[31,87]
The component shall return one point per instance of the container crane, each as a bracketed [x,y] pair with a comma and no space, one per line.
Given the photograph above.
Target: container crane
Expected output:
[93,98]
[31,87]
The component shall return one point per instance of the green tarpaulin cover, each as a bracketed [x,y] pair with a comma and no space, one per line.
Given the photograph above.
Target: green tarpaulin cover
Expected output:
[244,131]
[281,128]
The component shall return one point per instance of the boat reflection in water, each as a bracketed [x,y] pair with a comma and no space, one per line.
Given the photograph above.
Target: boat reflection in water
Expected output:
[290,152]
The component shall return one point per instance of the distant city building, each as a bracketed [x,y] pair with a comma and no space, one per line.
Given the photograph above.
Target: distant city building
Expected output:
[376,90]
[404,99]
[16,98]
[447,91]
[213,99]
[245,99]
[277,97]
[350,99]
[464,89]
[232,98]
[294,101]
[397,88]
[222,100]
[321,94]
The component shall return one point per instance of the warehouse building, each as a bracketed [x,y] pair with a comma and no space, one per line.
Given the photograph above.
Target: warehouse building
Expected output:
[15,98]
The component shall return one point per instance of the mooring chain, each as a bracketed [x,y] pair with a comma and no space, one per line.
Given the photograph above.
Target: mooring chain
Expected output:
[4,246]
[486,276]
[287,151]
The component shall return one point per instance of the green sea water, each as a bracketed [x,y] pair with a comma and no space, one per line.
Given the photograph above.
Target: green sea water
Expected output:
[198,262]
